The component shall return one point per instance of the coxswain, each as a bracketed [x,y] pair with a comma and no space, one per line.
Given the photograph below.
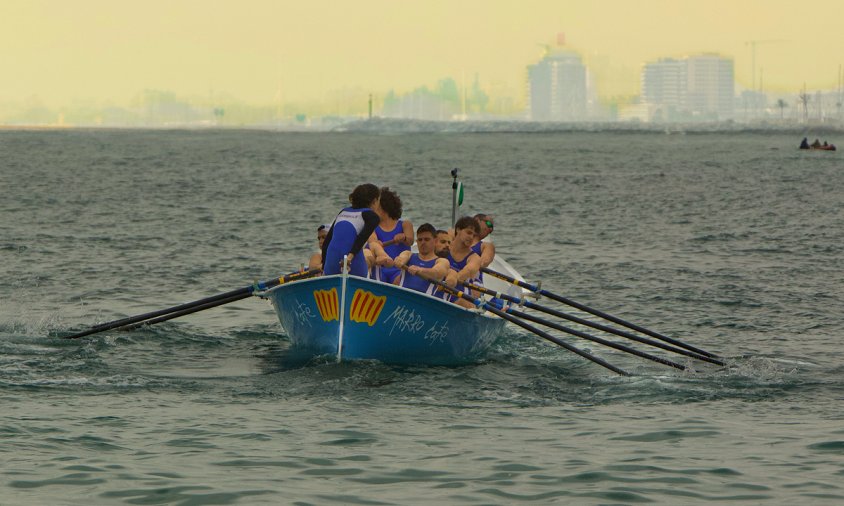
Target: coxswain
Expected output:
[350,231]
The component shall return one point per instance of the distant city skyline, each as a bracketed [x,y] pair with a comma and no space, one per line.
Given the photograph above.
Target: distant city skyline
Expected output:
[101,52]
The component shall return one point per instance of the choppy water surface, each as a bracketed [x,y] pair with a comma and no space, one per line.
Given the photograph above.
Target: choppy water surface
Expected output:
[731,242]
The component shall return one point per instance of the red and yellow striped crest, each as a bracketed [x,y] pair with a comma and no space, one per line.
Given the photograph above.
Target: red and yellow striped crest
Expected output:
[366,307]
[326,301]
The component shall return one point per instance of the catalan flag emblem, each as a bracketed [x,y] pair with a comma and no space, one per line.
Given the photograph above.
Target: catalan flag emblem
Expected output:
[326,301]
[366,307]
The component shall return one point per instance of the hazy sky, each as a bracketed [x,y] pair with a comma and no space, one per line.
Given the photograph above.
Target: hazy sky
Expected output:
[109,50]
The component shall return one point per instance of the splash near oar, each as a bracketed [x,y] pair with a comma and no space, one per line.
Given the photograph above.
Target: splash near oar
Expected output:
[594,339]
[539,291]
[198,305]
[512,319]
[610,330]
[519,317]
[504,315]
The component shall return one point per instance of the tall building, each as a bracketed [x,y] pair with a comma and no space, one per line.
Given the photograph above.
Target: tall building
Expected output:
[711,85]
[664,83]
[557,87]
[695,87]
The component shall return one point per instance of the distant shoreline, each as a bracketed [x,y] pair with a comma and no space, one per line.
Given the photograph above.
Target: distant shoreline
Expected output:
[378,125]
[411,126]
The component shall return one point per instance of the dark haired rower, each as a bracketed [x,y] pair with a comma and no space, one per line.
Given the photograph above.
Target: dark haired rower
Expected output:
[350,231]
[393,233]
[465,263]
[423,266]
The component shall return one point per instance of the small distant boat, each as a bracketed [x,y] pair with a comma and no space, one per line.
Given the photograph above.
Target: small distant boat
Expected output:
[817,146]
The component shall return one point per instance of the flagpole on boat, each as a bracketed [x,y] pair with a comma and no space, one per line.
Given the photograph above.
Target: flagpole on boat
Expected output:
[342,308]
[455,186]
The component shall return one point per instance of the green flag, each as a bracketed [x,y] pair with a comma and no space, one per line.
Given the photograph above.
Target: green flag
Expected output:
[460,194]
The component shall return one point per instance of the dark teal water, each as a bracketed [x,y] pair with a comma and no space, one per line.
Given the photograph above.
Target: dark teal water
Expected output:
[732,242]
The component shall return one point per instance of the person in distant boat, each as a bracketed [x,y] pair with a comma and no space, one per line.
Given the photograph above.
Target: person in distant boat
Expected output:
[804,144]
[443,241]
[315,262]
[424,266]
[350,231]
[484,248]
[816,144]
[393,234]
[465,263]
[825,144]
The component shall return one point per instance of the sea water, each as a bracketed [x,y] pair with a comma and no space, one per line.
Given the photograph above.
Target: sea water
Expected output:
[731,242]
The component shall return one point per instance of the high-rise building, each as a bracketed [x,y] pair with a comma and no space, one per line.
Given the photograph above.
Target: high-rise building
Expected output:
[711,85]
[695,87]
[664,83]
[557,87]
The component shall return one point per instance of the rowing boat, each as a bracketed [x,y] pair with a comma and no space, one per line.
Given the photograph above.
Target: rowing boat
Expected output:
[358,318]
[355,318]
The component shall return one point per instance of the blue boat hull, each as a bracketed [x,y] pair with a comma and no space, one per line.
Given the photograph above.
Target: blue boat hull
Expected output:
[381,322]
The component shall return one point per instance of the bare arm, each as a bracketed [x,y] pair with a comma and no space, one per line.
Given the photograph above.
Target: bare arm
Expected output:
[407,229]
[440,269]
[315,262]
[380,256]
[435,273]
[473,266]
[487,253]
[401,260]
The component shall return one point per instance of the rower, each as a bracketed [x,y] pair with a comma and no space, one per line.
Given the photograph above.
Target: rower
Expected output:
[422,267]
[392,233]
[484,249]
[465,263]
[442,242]
[315,262]
[350,230]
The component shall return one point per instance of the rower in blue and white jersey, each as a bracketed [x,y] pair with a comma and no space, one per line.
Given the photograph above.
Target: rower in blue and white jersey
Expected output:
[424,266]
[350,231]
[484,249]
[393,233]
[465,263]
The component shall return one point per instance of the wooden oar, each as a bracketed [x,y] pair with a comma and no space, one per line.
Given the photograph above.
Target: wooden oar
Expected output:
[183,312]
[598,326]
[208,302]
[489,307]
[536,289]
[584,335]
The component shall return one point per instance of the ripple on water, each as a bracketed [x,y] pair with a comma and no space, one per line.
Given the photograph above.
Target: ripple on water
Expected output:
[741,252]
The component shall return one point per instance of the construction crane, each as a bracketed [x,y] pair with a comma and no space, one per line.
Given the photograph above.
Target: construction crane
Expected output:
[752,44]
